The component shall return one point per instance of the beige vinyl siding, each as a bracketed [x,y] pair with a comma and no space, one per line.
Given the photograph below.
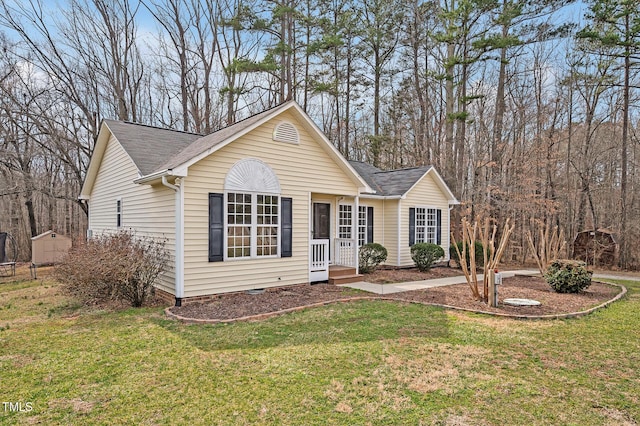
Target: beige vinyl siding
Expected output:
[301,169]
[391,231]
[378,218]
[425,193]
[147,210]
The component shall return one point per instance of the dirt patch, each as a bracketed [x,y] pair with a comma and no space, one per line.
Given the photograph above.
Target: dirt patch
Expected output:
[239,305]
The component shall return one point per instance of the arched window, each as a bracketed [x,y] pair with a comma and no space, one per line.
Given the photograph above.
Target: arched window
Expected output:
[250,219]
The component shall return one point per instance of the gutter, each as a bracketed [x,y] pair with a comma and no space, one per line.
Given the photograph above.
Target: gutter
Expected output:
[166,183]
[179,238]
[162,174]
[381,197]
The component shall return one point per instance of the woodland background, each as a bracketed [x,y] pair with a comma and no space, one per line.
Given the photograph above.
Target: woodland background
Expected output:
[529,109]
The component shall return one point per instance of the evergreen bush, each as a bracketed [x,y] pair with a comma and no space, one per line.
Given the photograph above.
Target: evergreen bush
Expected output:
[568,276]
[478,251]
[370,256]
[424,255]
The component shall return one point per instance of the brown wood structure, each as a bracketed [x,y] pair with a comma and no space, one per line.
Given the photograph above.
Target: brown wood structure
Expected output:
[596,247]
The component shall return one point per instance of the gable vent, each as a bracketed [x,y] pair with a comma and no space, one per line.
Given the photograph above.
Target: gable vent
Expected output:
[286,132]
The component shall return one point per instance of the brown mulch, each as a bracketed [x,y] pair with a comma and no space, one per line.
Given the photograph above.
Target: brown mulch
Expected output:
[387,276]
[242,305]
[518,287]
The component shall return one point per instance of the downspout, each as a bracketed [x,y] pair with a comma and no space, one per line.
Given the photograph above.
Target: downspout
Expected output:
[398,232]
[354,232]
[448,250]
[179,241]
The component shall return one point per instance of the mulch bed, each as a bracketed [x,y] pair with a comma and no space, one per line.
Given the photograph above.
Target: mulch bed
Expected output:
[242,305]
[518,287]
[387,276]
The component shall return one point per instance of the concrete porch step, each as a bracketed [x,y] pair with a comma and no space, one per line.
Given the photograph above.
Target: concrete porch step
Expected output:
[345,279]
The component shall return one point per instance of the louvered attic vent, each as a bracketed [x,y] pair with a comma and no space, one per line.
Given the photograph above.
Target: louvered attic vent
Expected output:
[286,132]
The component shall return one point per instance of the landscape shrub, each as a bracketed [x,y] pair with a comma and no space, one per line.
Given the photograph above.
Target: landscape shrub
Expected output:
[478,251]
[568,276]
[370,256]
[118,266]
[424,255]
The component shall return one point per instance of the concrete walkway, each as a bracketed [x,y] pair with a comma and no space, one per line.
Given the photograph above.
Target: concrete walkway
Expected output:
[439,282]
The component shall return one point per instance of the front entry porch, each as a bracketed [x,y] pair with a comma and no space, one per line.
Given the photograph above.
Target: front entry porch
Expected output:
[322,268]
[333,248]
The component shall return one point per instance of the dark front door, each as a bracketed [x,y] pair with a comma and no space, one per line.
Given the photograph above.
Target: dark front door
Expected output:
[321,221]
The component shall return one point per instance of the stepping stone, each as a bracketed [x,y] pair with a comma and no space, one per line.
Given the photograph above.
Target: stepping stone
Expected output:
[521,302]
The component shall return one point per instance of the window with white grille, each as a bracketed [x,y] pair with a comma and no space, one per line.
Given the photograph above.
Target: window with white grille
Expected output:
[345,220]
[426,225]
[362,226]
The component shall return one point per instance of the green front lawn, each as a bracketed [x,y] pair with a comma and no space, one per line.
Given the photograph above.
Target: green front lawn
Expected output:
[368,362]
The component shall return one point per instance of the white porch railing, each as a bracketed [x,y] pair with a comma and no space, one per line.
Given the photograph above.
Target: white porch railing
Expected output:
[345,252]
[319,260]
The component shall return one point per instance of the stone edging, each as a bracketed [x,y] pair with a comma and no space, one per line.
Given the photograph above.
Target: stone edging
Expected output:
[266,315]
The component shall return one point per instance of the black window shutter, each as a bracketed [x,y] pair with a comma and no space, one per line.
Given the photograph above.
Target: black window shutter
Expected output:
[438,226]
[216,228]
[369,225]
[412,226]
[286,230]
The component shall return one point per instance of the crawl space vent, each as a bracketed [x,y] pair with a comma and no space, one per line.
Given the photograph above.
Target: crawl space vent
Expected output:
[286,132]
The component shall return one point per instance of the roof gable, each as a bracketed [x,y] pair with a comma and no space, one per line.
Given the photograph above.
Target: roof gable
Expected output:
[211,142]
[157,152]
[146,146]
[397,183]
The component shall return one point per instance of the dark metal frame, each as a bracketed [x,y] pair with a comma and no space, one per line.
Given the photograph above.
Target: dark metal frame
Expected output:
[10,252]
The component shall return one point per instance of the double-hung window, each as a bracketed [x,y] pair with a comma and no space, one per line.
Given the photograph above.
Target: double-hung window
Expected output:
[239,223]
[345,220]
[425,225]
[267,225]
[252,225]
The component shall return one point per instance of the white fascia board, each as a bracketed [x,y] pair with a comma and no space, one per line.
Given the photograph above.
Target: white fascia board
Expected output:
[96,160]
[333,151]
[381,197]
[181,169]
[444,187]
[441,184]
[184,166]
[154,177]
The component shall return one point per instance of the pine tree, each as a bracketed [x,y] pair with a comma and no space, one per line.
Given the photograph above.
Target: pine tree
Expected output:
[615,24]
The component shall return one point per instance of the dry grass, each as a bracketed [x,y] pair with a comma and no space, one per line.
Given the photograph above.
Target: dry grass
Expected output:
[359,363]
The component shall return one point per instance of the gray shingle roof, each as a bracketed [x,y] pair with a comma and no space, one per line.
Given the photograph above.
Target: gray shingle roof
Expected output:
[392,182]
[149,147]
[154,149]
[206,142]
